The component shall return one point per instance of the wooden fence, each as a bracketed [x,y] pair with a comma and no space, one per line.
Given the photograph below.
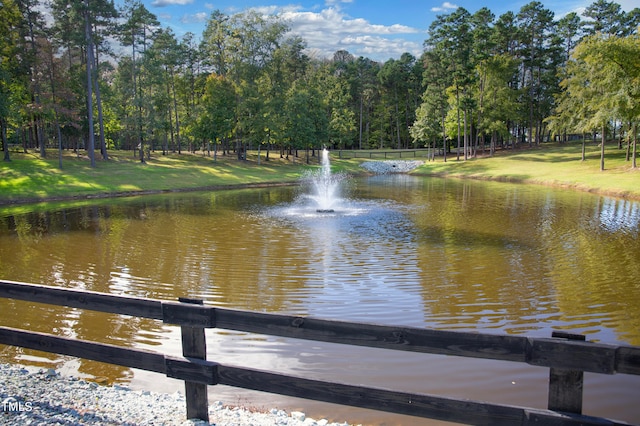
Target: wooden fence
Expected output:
[382,154]
[567,356]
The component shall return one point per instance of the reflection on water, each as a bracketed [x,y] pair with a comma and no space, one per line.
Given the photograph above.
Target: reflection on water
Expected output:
[423,252]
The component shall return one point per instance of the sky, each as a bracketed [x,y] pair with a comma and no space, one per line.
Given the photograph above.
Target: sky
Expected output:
[376,29]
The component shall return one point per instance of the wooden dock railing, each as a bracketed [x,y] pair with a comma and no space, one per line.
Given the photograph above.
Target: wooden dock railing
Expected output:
[567,356]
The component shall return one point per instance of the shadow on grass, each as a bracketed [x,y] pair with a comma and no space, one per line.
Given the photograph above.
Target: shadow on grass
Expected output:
[452,167]
[551,158]
[470,169]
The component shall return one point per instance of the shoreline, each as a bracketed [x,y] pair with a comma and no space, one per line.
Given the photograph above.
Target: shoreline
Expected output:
[123,194]
[368,169]
[618,193]
[32,395]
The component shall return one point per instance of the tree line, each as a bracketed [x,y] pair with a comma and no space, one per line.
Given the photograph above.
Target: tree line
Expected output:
[525,77]
[89,76]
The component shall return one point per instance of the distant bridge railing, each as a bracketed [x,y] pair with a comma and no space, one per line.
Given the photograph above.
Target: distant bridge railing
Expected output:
[386,154]
[567,356]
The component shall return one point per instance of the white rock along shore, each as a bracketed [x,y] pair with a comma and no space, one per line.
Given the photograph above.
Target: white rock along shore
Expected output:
[391,166]
[33,396]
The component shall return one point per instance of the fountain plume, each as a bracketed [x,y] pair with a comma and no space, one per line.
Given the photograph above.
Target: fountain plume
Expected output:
[326,186]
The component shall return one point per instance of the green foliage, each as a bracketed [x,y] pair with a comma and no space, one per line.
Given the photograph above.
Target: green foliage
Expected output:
[11,85]
[503,78]
[250,82]
[305,117]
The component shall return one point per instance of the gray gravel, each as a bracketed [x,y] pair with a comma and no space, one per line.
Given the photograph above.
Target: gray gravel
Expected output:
[391,166]
[32,396]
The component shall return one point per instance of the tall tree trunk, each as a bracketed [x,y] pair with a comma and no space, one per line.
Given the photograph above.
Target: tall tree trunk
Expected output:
[22,137]
[266,156]
[465,135]
[175,109]
[360,133]
[137,101]
[604,138]
[458,111]
[55,109]
[532,94]
[170,116]
[91,140]
[5,142]
[397,118]
[492,148]
[444,138]
[627,155]
[103,142]
[635,144]
[38,132]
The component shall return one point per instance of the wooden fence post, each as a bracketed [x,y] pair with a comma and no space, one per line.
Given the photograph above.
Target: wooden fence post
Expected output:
[565,386]
[194,345]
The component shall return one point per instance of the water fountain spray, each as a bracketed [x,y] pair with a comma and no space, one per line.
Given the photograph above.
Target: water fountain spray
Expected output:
[326,186]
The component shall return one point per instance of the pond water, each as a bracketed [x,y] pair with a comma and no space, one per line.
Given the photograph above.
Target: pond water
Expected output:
[399,250]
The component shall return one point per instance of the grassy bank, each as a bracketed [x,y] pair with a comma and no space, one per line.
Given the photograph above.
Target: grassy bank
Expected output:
[552,164]
[29,178]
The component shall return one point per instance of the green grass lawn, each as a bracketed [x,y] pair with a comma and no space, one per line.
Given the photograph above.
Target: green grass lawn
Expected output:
[550,164]
[29,178]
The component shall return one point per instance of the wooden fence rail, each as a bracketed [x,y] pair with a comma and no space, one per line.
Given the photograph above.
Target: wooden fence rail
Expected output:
[566,357]
[385,154]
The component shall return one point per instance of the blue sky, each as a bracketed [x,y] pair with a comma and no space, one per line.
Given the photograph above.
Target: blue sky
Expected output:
[377,29]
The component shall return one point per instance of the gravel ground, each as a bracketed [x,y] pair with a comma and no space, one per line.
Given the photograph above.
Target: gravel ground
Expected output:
[391,166]
[32,396]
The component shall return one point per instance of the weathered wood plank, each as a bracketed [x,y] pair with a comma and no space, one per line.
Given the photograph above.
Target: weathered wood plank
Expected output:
[127,357]
[202,371]
[192,370]
[178,368]
[194,345]
[476,345]
[418,405]
[592,357]
[364,397]
[566,386]
[573,355]
[628,360]
[82,299]
[193,315]
[565,390]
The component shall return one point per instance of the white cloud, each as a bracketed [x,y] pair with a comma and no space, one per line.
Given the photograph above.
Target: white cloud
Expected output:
[330,30]
[336,2]
[378,48]
[446,6]
[163,3]
[266,10]
[562,8]
[194,18]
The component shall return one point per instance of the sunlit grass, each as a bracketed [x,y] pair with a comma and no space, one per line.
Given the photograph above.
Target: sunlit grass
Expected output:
[29,177]
[552,164]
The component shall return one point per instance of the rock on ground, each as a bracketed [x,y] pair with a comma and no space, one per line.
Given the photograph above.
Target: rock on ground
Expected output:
[391,166]
[31,396]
